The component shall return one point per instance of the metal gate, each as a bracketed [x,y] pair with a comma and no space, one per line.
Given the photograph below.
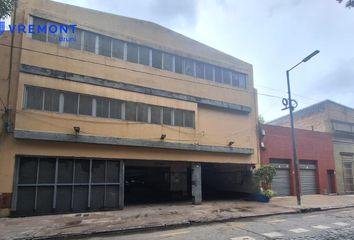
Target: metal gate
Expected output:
[46,185]
[281,181]
[308,170]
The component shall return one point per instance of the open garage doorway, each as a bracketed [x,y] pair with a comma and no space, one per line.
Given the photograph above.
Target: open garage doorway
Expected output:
[227,181]
[156,182]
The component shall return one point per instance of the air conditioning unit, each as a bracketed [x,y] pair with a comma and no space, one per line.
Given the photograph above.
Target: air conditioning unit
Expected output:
[262,145]
[263,132]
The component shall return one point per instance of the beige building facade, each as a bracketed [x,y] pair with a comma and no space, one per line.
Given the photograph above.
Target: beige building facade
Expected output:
[100,110]
[334,118]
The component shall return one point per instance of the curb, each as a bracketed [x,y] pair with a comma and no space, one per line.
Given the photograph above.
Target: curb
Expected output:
[159,227]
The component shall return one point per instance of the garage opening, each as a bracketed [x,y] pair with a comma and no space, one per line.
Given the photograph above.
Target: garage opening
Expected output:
[227,181]
[308,175]
[156,182]
[281,181]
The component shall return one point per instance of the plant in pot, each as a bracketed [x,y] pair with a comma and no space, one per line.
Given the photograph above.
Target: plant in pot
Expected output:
[265,175]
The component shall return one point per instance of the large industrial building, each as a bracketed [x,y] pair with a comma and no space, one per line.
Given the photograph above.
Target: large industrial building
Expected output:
[100,110]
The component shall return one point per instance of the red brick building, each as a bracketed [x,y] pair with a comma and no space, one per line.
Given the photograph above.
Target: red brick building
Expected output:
[315,154]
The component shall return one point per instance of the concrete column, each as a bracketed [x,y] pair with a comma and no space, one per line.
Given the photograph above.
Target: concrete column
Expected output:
[196,183]
[121,185]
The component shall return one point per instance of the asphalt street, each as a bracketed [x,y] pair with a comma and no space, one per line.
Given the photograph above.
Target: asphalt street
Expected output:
[334,224]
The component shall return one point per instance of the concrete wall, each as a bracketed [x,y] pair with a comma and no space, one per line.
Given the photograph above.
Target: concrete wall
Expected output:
[311,145]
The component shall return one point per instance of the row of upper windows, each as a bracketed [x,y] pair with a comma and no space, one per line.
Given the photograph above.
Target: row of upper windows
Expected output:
[52,100]
[110,47]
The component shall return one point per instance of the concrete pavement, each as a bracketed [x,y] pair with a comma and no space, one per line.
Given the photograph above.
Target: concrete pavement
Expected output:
[145,217]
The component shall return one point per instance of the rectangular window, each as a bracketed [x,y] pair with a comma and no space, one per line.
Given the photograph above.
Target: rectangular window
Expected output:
[243,80]
[53,32]
[209,72]
[142,112]
[89,41]
[39,34]
[235,79]
[144,56]
[130,111]
[167,116]
[115,109]
[51,100]
[188,67]
[199,69]
[188,119]
[104,46]
[118,49]
[167,62]
[156,59]
[178,65]
[226,76]
[34,98]
[102,105]
[76,42]
[156,114]
[85,107]
[132,53]
[178,117]
[218,77]
[70,102]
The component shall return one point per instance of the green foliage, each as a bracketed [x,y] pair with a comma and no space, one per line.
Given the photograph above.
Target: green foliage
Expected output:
[348,4]
[6,8]
[268,193]
[265,175]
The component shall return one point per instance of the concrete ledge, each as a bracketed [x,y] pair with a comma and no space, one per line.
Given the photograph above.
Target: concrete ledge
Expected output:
[133,88]
[61,137]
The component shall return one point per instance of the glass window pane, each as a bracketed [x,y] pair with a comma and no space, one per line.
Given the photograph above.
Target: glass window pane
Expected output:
[82,169]
[34,98]
[189,119]
[65,170]
[217,72]
[39,34]
[132,53]
[70,102]
[167,116]
[98,170]
[118,49]
[53,32]
[113,171]
[45,200]
[115,109]
[85,105]
[199,68]
[167,62]
[46,170]
[142,112]
[28,171]
[235,79]
[76,41]
[243,80]
[156,59]
[156,114]
[178,64]
[144,56]
[89,41]
[189,67]
[226,76]
[102,105]
[178,117]
[209,72]
[104,46]
[130,111]
[63,199]
[51,100]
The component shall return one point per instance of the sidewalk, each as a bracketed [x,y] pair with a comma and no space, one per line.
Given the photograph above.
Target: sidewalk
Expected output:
[158,216]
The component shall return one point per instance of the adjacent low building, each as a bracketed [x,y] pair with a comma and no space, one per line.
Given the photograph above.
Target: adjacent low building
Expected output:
[315,155]
[118,111]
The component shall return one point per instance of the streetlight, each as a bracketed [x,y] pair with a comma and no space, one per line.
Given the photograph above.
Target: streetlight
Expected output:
[291,104]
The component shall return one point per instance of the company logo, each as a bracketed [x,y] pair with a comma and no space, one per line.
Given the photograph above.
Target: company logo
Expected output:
[2,27]
[61,32]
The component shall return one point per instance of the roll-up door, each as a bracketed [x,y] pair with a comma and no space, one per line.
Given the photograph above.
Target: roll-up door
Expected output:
[308,171]
[281,181]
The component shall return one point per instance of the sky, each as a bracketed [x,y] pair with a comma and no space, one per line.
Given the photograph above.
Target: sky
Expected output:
[271,35]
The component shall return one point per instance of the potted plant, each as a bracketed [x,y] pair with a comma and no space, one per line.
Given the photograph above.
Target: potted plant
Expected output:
[265,175]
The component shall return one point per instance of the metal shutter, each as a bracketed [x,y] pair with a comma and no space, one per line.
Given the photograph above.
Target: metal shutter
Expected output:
[308,177]
[281,181]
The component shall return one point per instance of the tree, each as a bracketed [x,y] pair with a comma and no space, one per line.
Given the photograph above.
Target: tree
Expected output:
[6,8]
[349,4]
